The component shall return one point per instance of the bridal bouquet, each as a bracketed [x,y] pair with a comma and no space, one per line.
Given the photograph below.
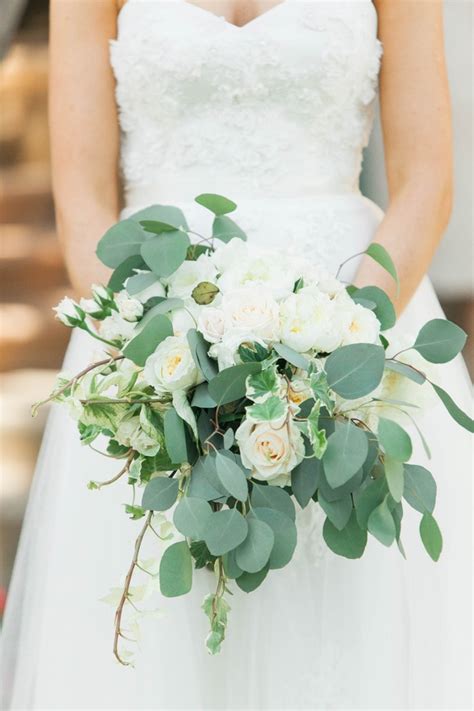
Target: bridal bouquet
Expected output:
[237,383]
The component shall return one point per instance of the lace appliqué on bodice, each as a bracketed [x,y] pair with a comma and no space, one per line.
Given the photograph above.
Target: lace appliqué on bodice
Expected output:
[281,106]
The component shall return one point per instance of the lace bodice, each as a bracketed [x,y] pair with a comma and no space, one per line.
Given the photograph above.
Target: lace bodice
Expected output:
[278,107]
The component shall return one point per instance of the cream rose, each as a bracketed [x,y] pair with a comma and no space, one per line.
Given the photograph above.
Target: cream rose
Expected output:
[307,322]
[265,269]
[211,323]
[253,311]
[226,351]
[361,324]
[171,367]
[270,452]
[129,308]
[115,327]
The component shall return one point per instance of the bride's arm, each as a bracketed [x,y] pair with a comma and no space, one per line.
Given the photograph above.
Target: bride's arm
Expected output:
[416,124]
[84,132]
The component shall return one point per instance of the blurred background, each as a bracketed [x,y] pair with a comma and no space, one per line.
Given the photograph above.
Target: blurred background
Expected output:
[32,274]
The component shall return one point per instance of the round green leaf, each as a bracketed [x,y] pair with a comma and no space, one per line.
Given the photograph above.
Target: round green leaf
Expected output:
[231,568]
[146,341]
[225,530]
[350,542]
[204,482]
[369,496]
[383,307]
[254,552]
[166,252]
[225,229]
[160,494]
[431,536]
[248,582]
[285,534]
[420,488]
[291,356]
[191,516]
[176,570]
[338,512]
[199,349]
[305,479]
[273,497]
[218,204]
[345,454]
[381,524]
[167,214]
[232,477]
[356,370]
[229,384]
[439,341]
[394,440]
[121,241]
[125,270]
[175,436]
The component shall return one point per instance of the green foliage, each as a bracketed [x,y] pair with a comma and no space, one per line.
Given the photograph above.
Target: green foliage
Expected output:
[420,488]
[201,397]
[317,436]
[248,582]
[216,609]
[269,410]
[394,440]
[382,257]
[231,476]
[158,305]
[229,384]
[139,282]
[291,356]
[175,436]
[346,452]
[284,533]
[439,341]
[381,523]
[255,353]
[205,483]
[205,293]
[231,568]
[200,553]
[262,384]
[368,497]
[191,516]
[225,229]
[160,494]
[121,241]
[305,480]
[350,542]
[356,370]
[225,530]
[383,307]
[253,553]
[135,512]
[431,536]
[338,512]
[125,270]
[104,414]
[147,340]
[454,410]
[394,473]
[319,386]
[199,349]
[273,497]
[166,214]
[165,252]
[176,570]
[406,370]
[217,204]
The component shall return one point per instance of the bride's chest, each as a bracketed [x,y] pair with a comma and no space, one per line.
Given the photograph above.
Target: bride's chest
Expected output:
[176,54]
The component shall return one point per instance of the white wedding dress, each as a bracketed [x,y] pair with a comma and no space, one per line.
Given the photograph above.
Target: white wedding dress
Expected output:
[274,115]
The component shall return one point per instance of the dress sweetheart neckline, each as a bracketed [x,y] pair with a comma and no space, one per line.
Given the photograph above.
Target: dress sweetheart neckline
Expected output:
[221,18]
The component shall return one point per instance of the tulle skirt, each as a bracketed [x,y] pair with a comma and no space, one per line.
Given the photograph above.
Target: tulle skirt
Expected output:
[323,633]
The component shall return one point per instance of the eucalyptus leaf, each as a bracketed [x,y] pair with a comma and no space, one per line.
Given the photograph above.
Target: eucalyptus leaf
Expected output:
[139,282]
[231,568]
[163,306]
[381,524]
[176,570]
[157,227]
[368,498]
[217,204]
[166,252]
[146,341]
[395,440]
[253,553]
[225,229]
[406,370]
[346,452]
[394,473]
[383,307]
[232,477]
[305,480]
[439,341]
[225,530]
[248,582]
[121,241]
[355,370]
[175,436]
[285,535]
[204,483]
[419,488]
[431,536]
[273,497]
[160,494]
[338,512]
[199,350]
[350,542]
[291,356]
[454,410]
[191,516]
[201,397]
[167,214]
[229,385]
[382,257]
[124,271]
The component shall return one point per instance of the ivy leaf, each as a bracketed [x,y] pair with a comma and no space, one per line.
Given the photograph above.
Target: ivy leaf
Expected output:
[439,341]
[431,536]
[317,436]
[176,570]
[201,554]
[256,353]
[319,386]
[269,410]
[260,385]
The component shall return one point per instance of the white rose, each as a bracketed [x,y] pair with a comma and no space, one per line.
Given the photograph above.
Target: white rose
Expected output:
[226,351]
[91,307]
[271,453]
[211,323]
[171,367]
[186,318]
[114,327]
[307,322]
[129,308]
[68,312]
[189,275]
[362,325]
[227,255]
[156,289]
[253,311]
[101,293]
[261,269]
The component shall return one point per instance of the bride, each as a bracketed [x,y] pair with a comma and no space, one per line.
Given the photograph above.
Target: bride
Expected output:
[268,103]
